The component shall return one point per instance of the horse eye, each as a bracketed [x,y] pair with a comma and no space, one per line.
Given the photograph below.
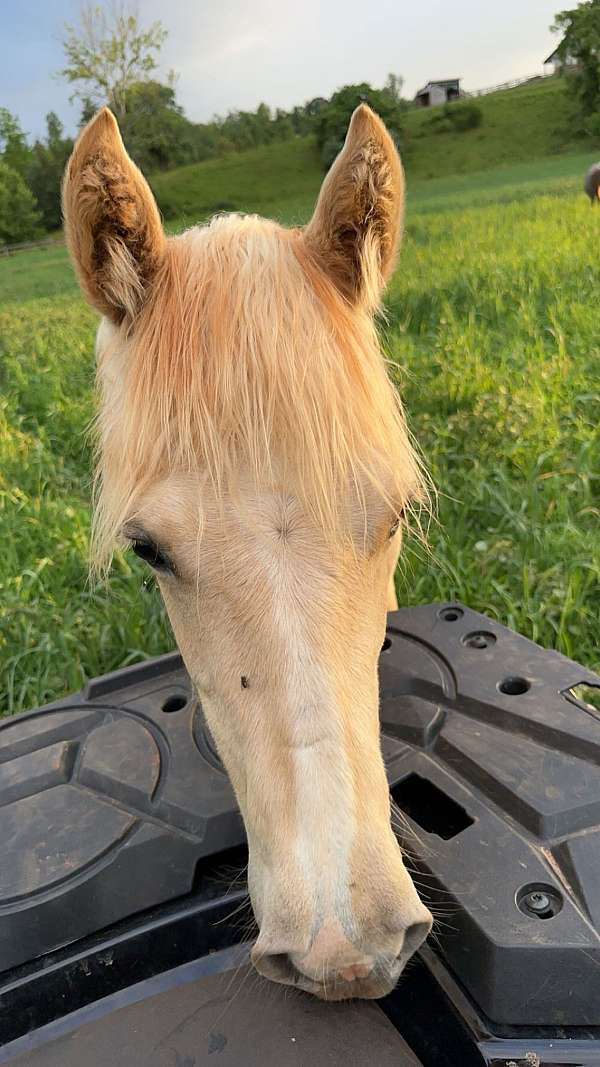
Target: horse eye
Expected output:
[400,518]
[150,553]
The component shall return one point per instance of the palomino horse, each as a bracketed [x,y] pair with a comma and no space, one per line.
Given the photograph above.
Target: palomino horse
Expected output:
[252,450]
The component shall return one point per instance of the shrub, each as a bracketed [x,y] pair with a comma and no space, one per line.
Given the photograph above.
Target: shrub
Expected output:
[454,117]
[19,217]
[441,124]
[464,116]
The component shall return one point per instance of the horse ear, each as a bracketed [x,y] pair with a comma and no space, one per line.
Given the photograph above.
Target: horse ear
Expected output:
[356,227]
[112,224]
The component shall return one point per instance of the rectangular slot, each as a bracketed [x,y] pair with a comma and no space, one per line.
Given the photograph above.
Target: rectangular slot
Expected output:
[585,695]
[430,808]
[222,872]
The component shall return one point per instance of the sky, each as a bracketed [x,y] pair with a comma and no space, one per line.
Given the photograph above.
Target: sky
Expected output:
[232,54]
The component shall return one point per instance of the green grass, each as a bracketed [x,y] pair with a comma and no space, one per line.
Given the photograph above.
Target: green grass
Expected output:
[36,274]
[493,324]
[508,184]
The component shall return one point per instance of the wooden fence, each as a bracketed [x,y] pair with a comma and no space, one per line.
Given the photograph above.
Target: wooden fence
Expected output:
[512,84]
[24,246]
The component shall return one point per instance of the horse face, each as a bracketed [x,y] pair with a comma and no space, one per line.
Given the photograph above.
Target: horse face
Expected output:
[253,452]
[281,636]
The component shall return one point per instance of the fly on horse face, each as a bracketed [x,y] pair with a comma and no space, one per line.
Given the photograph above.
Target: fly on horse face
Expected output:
[253,451]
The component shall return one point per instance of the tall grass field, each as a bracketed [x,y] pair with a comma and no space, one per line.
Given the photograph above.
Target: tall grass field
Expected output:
[492,328]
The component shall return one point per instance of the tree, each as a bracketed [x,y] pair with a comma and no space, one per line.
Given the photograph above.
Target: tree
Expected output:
[108,53]
[19,219]
[393,87]
[154,128]
[14,150]
[580,27]
[45,169]
[283,126]
[315,106]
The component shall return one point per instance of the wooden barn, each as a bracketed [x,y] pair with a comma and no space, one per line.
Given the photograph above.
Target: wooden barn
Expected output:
[438,92]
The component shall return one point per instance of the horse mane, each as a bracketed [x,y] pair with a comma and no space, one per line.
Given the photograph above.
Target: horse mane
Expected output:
[246,355]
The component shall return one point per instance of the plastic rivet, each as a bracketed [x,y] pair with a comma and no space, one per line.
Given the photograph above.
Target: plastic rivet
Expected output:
[538,901]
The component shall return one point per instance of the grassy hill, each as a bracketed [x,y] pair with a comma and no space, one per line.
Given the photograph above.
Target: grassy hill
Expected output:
[532,122]
[280,180]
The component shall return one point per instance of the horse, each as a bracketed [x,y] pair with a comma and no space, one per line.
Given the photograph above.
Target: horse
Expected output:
[253,451]
[591,183]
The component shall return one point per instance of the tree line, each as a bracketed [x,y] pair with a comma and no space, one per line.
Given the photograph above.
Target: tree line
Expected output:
[159,136]
[112,59]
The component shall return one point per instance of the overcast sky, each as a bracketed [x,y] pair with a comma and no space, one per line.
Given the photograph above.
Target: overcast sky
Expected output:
[237,53]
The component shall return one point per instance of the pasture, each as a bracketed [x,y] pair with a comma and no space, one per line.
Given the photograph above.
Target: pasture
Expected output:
[492,328]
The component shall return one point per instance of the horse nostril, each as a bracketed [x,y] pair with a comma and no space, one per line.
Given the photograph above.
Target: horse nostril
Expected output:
[275,965]
[414,937]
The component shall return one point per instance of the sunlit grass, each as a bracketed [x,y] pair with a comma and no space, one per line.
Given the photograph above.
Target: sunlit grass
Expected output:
[493,321]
